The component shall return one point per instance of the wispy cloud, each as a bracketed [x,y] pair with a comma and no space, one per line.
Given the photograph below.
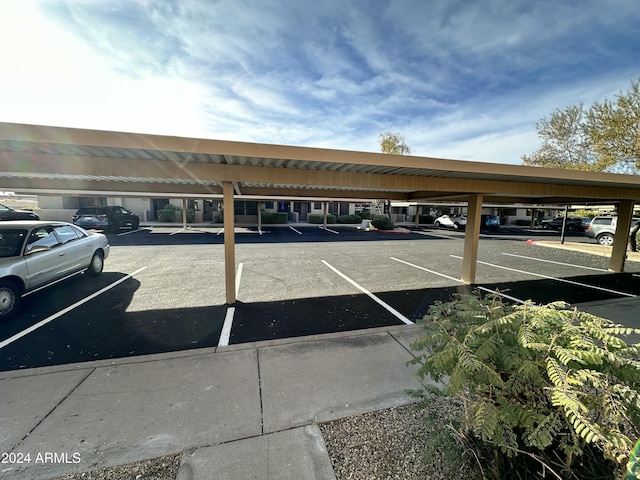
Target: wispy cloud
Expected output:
[460,79]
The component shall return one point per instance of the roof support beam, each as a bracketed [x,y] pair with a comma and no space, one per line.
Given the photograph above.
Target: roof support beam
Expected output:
[621,237]
[471,239]
[229,244]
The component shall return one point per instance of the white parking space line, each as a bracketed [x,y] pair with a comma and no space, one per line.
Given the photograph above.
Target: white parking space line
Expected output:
[458,280]
[226,327]
[329,230]
[221,230]
[32,328]
[446,237]
[225,334]
[176,232]
[386,306]
[563,280]
[238,276]
[427,270]
[133,231]
[557,263]
[297,231]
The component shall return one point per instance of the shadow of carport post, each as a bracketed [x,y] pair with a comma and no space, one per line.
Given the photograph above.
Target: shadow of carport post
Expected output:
[229,243]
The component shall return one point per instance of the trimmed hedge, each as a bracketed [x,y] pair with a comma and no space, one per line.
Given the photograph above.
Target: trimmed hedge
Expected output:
[273,218]
[383,223]
[319,219]
[349,219]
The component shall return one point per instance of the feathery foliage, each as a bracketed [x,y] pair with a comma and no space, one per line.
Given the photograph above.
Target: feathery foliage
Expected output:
[535,379]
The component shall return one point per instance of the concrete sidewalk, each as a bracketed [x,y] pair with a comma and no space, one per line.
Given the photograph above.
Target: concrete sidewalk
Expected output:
[248,411]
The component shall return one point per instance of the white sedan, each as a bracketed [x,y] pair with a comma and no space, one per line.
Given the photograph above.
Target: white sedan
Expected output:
[454,221]
[34,254]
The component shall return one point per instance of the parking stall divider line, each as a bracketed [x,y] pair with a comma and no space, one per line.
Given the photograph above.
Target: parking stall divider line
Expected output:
[32,328]
[225,334]
[329,230]
[458,280]
[132,231]
[386,306]
[557,263]
[563,280]
[295,230]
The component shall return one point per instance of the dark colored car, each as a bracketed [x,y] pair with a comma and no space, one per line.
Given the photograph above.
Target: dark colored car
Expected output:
[8,213]
[489,222]
[574,224]
[110,218]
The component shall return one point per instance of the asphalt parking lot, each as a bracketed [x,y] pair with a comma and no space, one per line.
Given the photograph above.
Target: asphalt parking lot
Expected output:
[162,288]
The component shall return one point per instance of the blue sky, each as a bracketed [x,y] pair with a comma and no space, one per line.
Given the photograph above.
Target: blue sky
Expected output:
[459,79]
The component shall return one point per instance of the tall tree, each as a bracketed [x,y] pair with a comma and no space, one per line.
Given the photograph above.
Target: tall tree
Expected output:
[614,129]
[393,143]
[564,142]
[605,137]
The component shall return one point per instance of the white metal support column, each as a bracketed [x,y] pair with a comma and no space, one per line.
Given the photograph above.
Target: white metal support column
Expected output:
[621,237]
[229,244]
[324,214]
[471,239]
[184,213]
[260,217]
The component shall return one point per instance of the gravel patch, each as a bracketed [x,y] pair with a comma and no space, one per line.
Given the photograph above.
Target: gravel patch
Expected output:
[161,468]
[391,444]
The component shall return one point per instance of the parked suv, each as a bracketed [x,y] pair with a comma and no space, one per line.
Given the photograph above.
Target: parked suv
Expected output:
[573,224]
[110,218]
[603,228]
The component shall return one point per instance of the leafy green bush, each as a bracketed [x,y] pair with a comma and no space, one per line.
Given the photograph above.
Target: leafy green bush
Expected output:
[272,218]
[319,219]
[349,219]
[364,215]
[168,214]
[426,219]
[382,222]
[539,382]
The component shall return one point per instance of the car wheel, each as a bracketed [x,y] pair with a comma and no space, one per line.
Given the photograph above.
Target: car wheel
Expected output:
[437,224]
[114,226]
[571,228]
[9,298]
[456,226]
[545,226]
[605,239]
[96,265]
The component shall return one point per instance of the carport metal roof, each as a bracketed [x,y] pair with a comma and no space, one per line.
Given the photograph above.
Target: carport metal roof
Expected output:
[53,159]
[56,160]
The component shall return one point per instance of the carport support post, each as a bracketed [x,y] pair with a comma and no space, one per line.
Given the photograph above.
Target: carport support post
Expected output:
[184,213]
[471,239]
[621,237]
[324,206]
[260,217]
[229,243]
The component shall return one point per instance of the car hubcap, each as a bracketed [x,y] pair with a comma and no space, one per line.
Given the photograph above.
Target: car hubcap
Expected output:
[6,300]
[97,263]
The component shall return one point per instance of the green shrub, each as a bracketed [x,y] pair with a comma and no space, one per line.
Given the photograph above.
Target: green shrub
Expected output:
[426,219]
[382,222]
[542,382]
[364,215]
[273,218]
[319,219]
[349,219]
[167,215]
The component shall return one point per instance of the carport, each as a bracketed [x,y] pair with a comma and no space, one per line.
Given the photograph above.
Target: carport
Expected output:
[66,161]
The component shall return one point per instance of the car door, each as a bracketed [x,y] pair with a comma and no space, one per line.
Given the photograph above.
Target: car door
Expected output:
[76,247]
[44,258]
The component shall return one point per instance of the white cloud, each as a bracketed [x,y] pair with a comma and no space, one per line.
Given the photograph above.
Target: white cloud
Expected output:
[458,79]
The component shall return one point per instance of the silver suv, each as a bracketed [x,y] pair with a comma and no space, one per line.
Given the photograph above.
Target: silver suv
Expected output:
[603,228]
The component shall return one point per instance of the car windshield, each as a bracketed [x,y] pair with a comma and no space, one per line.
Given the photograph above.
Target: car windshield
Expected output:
[11,241]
